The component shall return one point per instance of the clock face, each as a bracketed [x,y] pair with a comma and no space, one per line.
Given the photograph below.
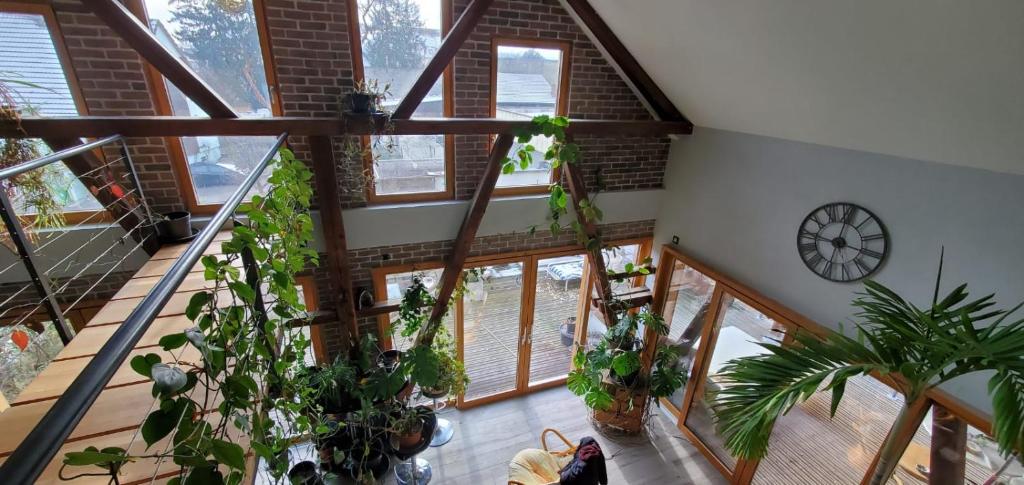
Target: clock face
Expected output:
[842,242]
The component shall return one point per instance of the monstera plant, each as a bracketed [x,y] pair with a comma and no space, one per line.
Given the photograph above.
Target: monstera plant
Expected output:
[922,347]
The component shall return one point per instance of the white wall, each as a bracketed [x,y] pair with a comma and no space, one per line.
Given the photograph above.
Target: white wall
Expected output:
[736,200]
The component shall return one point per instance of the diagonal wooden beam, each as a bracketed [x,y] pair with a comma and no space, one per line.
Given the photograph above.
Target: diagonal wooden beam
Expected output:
[133,31]
[449,47]
[618,55]
[326,180]
[578,191]
[460,251]
[86,167]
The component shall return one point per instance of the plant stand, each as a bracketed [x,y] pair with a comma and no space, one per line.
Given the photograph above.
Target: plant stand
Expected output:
[445,430]
[415,471]
[620,417]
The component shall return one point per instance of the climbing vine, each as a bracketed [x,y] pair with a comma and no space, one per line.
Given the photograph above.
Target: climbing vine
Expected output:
[231,383]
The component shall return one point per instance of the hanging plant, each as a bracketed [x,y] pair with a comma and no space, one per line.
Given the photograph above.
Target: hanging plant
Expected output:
[251,357]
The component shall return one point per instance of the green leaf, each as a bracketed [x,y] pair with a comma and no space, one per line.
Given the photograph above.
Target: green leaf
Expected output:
[626,363]
[172,341]
[228,453]
[243,290]
[196,304]
[204,475]
[143,363]
[167,380]
[86,458]
[160,423]
[508,168]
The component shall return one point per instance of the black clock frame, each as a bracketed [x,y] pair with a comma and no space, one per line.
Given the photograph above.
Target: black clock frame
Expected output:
[871,216]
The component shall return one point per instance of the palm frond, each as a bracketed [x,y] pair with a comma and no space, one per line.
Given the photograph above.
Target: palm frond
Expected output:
[757,390]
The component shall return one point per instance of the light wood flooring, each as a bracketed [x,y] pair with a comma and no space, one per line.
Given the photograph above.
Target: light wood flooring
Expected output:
[487,437]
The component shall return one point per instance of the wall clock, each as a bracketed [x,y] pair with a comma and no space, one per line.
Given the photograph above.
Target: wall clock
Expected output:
[842,242]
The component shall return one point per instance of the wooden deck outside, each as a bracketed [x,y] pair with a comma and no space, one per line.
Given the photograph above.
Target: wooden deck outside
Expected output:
[115,417]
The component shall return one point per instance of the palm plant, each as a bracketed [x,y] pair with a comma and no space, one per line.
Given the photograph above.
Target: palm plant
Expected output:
[919,347]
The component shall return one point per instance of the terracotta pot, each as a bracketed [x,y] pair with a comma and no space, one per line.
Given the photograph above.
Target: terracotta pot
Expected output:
[411,439]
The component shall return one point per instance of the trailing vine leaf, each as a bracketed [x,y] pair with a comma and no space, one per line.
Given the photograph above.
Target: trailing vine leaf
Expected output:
[227,453]
[167,380]
[143,363]
[172,341]
[161,422]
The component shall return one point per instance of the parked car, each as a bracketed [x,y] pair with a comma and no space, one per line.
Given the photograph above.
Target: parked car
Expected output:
[206,174]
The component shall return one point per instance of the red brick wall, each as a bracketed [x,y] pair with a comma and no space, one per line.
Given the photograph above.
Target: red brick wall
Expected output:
[113,82]
[363,261]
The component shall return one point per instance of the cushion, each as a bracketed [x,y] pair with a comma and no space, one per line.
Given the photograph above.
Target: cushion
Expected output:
[536,467]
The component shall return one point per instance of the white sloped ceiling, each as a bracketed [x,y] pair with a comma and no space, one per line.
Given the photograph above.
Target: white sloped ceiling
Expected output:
[938,80]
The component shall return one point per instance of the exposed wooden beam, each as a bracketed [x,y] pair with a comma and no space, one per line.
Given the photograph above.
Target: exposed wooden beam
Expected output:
[449,47]
[578,191]
[139,37]
[474,215]
[326,180]
[633,298]
[86,168]
[619,56]
[151,126]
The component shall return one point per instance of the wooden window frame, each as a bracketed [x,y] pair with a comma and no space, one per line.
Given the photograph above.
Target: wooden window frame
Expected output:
[561,98]
[529,258]
[161,100]
[64,58]
[745,470]
[448,107]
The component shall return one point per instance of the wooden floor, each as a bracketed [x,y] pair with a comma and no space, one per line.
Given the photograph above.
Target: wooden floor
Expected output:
[114,418]
[487,437]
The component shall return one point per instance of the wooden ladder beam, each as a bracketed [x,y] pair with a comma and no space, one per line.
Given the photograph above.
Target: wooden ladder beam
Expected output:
[445,53]
[139,37]
[338,269]
[474,215]
[623,61]
[578,191]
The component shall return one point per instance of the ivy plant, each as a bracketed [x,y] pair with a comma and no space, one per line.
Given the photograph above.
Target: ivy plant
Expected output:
[242,393]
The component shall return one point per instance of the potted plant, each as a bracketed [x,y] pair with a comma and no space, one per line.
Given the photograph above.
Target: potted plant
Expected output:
[923,346]
[406,425]
[366,98]
[175,226]
[616,362]
[451,373]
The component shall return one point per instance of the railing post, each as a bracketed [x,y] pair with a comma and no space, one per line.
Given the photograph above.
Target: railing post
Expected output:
[151,245]
[39,280]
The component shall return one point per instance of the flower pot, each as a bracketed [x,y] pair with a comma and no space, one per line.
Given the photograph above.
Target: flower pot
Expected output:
[567,331]
[175,226]
[389,359]
[430,393]
[305,473]
[359,103]
[411,439]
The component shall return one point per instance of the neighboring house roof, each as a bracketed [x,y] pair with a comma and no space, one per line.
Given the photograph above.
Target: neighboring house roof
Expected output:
[524,89]
[27,54]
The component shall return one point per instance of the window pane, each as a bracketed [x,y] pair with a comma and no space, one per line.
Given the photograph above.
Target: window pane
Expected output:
[219,41]
[409,164]
[398,38]
[34,74]
[615,259]
[978,454]
[527,85]
[554,316]
[740,329]
[807,446]
[687,304]
[397,284]
[491,310]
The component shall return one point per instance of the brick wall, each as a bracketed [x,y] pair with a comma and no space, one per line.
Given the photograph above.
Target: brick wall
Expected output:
[363,261]
[113,82]
[595,92]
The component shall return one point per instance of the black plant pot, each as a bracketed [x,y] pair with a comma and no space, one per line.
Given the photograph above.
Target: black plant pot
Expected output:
[305,473]
[567,330]
[175,226]
[359,103]
[624,381]
[389,359]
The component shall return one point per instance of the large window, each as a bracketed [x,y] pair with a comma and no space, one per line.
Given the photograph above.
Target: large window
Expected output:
[529,78]
[34,70]
[396,40]
[220,41]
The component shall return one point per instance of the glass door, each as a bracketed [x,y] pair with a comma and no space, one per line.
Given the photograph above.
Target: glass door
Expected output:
[551,332]
[490,330]
[688,305]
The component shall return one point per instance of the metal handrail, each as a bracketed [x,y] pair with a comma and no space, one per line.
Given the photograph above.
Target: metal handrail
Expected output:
[36,451]
[56,157]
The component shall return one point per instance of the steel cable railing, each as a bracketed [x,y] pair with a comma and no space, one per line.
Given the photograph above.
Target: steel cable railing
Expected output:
[37,449]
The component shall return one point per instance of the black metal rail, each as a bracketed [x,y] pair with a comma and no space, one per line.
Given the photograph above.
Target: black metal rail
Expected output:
[37,449]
